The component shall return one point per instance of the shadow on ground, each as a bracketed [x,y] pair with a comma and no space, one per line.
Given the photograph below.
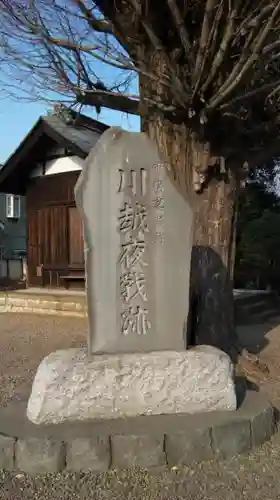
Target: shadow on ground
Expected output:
[256,317]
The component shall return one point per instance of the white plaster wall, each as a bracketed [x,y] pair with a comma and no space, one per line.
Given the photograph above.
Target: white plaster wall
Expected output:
[58,166]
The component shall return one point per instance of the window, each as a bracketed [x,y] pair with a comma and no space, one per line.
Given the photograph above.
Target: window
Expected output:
[12,206]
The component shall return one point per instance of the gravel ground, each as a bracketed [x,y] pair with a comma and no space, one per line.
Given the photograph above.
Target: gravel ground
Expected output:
[247,477]
[26,339]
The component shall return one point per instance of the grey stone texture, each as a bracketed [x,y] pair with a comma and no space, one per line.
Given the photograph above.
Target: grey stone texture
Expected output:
[7,452]
[231,438]
[89,454]
[137,256]
[148,441]
[138,451]
[184,448]
[70,386]
[262,425]
[40,456]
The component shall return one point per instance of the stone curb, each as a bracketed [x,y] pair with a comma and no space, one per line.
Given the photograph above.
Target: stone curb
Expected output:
[40,455]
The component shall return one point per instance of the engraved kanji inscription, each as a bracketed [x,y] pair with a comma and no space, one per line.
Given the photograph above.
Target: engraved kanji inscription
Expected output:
[135,320]
[158,167]
[132,252]
[133,286]
[159,237]
[133,226]
[143,181]
[121,181]
[132,218]
[135,182]
[159,218]
[157,186]
[158,202]
[132,182]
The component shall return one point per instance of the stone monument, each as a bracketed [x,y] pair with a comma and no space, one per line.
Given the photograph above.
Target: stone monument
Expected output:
[138,234]
[138,241]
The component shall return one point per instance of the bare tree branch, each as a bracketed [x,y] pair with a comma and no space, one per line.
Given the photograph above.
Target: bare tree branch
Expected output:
[100,25]
[180,25]
[237,75]
[204,36]
[220,54]
[205,63]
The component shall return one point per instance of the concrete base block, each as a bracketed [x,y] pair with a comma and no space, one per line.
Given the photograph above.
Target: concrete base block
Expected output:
[145,441]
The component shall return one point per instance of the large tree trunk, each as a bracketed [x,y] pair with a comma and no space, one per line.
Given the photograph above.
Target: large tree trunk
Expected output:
[212,284]
[211,318]
[211,305]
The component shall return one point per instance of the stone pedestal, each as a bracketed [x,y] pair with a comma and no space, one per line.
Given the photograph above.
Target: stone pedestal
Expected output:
[70,386]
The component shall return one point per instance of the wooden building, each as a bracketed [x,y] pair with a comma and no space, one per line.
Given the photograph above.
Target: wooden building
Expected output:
[44,168]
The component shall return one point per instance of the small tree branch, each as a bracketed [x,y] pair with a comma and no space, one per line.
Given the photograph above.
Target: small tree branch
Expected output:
[205,30]
[259,43]
[120,102]
[275,91]
[100,25]
[251,39]
[253,93]
[180,25]
[109,100]
[208,52]
[158,46]
[227,37]
[252,20]
[269,48]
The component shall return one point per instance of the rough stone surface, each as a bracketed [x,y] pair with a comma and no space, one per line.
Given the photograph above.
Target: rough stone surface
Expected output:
[262,426]
[138,451]
[39,456]
[70,386]
[184,448]
[230,439]
[137,258]
[88,454]
[7,452]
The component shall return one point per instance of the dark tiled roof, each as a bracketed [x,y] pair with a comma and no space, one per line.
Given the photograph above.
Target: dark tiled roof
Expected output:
[71,130]
[83,132]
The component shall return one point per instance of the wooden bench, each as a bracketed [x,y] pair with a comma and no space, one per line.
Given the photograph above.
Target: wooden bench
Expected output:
[72,277]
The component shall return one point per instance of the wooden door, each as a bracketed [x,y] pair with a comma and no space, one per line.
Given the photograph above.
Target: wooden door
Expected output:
[34,255]
[47,245]
[54,235]
[76,239]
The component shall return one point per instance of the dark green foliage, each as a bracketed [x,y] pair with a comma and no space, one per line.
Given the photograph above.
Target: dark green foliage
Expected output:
[258,230]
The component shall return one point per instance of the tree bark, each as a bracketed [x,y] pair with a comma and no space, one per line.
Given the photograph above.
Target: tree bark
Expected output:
[211,304]
[211,316]
[234,239]
[211,280]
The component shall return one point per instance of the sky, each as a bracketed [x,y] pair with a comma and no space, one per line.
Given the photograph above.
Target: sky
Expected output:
[17,118]
[17,115]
